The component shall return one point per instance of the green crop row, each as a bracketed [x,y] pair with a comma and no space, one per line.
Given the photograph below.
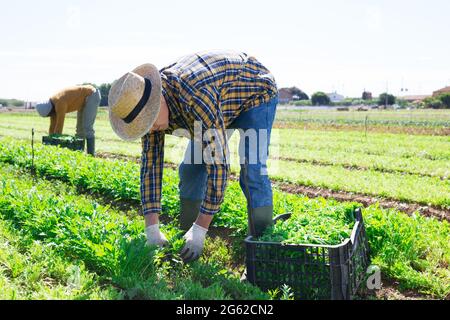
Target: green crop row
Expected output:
[383,144]
[34,270]
[395,166]
[414,249]
[393,184]
[381,118]
[388,144]
[365,161]
[108,243]
[370,122]
[397,186]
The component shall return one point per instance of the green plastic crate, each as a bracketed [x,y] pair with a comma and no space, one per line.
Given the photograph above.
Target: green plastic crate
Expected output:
[317,272]
[64,141]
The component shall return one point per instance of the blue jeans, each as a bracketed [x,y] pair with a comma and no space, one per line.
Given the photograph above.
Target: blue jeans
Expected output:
[86,117]
[253,154]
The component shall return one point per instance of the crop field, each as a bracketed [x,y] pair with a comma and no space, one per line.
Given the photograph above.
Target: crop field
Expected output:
[413,169]
[76,218]
[435,121]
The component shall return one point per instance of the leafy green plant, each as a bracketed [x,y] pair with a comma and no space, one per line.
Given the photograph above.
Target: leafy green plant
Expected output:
[34,270]
[283,293]
[314,225]
[63,137]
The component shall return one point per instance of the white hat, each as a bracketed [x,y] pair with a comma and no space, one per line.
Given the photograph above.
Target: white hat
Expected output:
[44,108]
[134,102]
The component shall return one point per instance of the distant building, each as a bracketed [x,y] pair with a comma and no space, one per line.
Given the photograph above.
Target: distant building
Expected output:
[285,95]
[441,91]
[367,95]
[335,97]
[30,105]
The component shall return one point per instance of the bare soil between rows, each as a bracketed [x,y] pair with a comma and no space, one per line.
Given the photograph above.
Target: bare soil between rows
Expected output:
[315,192]
[366,200]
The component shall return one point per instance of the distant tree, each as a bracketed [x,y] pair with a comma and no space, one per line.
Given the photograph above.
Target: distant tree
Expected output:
[320,99]
[445,99]
[89,84]
[303,103]
[357,102]
[439,102]
[12,102]
[299,93]
[386,98]
[367,95]
[402,103]
[104,91]
[433,103]
[17,103]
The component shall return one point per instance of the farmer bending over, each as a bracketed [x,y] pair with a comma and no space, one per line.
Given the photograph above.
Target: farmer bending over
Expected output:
[84,99]
[201,96]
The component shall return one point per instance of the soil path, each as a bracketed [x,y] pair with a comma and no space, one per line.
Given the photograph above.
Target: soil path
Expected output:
[314,192]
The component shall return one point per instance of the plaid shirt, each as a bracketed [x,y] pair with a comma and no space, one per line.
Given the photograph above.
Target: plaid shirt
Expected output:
[211,89]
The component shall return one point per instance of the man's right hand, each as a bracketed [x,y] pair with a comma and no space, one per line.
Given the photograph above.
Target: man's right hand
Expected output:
[155,236]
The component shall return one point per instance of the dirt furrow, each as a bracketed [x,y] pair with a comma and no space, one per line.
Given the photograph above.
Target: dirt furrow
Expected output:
[366,200]
[314,192]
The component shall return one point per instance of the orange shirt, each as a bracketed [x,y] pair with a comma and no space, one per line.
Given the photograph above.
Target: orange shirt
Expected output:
[68,100]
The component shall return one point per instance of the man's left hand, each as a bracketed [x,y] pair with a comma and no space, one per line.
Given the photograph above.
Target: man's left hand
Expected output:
[195,240]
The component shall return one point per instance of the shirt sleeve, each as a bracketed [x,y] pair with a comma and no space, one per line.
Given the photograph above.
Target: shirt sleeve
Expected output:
[152,165]
[61,110]
[51,130]
[215,149]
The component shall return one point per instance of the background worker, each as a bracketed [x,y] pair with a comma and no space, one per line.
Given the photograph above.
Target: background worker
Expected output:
[216,91]
[85,99]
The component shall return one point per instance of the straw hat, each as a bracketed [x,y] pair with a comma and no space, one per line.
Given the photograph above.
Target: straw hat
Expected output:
[134,102]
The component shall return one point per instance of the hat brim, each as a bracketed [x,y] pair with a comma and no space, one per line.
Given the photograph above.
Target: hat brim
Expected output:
[44,108]
[147,117]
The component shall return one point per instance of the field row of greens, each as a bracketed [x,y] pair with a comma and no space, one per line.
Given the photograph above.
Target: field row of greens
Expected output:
[415,250]
[82,250]
[410,188]
[30,269]
[429,156]
[396,186]
[395,166]
[398,145]
[413,118]
[103,129]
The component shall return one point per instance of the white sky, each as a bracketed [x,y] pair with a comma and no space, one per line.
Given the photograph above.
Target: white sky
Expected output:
[326,45]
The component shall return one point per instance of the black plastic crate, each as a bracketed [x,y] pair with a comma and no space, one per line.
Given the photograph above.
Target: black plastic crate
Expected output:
[64,141]
[312,271]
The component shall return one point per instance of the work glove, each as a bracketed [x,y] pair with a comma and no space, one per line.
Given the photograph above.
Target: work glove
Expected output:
[155,236]
[195,240]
